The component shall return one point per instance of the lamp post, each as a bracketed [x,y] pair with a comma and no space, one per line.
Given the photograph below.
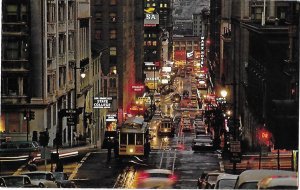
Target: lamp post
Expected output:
[82,75]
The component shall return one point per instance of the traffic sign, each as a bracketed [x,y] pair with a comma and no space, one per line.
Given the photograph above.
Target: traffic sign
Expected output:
[235,146]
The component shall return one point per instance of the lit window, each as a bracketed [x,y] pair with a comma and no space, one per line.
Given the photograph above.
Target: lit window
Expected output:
[113,34]
[154,43]
[161,5]
[166,5]
[12,12]
[113,17]
[148,43]
[113,51]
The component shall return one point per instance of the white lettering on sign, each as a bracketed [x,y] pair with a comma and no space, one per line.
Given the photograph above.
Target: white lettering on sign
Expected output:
[102,102]
[150,17]
[202,50]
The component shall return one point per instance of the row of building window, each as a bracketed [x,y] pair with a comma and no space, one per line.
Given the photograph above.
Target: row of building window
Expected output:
[15,13]
[112,34]
[100,2]
[150,43]
[99,17]
[14,48]
[153,4]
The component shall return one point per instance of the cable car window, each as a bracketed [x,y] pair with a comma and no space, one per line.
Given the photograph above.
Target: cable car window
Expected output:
[123,138]
[139,139]
[131,138]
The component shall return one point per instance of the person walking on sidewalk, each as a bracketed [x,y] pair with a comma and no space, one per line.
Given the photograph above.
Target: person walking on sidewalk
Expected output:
[109,147]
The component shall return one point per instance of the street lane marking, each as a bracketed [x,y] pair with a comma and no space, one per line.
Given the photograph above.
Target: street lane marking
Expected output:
[78,166]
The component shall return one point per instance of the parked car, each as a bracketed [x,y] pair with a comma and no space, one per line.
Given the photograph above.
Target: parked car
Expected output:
[278,182]
[63,181]
[42,179]
[226,181]
[208,180]
[250,178]
[204,137]
[156,179]
[202,144]
[18,181]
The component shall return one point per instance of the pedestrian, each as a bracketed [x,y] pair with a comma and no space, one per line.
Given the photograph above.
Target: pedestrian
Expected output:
[59,166]
[248,166]
[109,146]
[31,166]
[116,148]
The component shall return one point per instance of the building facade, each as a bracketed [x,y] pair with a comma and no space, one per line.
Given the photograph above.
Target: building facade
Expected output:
[264,69]
[197,24]
[116,33]
[44,42]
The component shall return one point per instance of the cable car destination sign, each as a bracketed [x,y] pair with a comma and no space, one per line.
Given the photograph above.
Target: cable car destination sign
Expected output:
[102,102]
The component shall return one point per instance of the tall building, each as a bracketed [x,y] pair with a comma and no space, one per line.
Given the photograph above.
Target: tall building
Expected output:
[197,24]
[158,32]
[44,43]
[116,34]
[264,78]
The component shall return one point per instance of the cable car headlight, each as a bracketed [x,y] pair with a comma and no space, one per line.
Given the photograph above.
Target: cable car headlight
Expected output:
[131,150]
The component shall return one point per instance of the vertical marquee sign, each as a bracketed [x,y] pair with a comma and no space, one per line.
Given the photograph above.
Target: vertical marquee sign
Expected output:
[202,47]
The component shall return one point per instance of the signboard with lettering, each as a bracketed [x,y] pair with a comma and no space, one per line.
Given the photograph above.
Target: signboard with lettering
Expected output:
[102,102]
[151,19]
[111,117]
[235,150]
[202,51]
[137,88]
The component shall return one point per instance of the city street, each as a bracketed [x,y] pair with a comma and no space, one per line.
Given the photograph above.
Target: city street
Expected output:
[150,94]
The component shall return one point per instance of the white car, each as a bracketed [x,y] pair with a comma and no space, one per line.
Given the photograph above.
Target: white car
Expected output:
[226,181]
[249,179]
[42,179]
[156,179]
[278,182]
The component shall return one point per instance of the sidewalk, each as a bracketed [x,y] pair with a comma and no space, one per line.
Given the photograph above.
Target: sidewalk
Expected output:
[65,152]
[251,160]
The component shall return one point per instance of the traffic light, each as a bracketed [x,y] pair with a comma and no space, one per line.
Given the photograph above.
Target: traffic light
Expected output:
[31,115]
[264,136]
[44,138]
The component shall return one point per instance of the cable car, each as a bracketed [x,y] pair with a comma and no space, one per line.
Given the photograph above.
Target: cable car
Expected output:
[166,127]
[134,138]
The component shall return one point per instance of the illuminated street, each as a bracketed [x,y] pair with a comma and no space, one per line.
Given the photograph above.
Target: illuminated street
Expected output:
[150,94]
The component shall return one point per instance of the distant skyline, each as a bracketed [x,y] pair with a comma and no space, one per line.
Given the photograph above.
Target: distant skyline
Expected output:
[184,9]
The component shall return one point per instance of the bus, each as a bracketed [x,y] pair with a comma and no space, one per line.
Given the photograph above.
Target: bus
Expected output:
[134,138]
[166,127]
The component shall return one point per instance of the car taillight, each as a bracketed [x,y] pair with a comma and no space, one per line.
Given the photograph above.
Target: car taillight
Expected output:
[173,177]
[143,175]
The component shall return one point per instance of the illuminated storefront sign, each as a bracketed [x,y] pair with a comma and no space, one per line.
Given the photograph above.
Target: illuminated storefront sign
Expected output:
[166,69]
[137,88]
[102,102]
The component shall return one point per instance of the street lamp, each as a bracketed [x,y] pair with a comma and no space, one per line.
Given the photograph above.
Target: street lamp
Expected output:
[82,75]
[223,93]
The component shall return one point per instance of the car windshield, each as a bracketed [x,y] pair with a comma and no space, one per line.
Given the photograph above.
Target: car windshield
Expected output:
[226,184]
[159,175]
[249,185]
[14,181]
[212,177]
[34,176]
